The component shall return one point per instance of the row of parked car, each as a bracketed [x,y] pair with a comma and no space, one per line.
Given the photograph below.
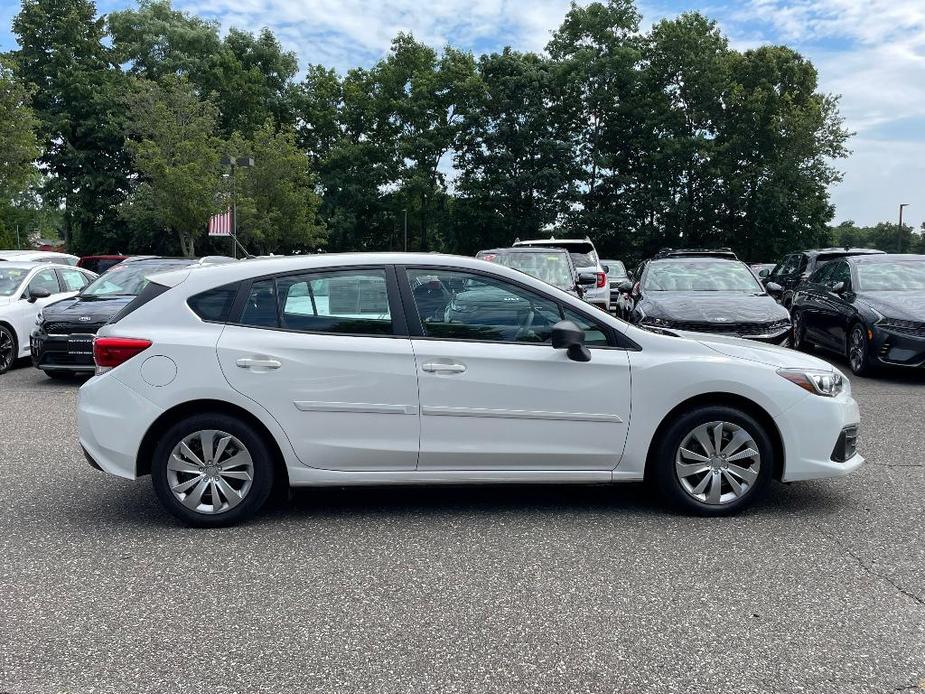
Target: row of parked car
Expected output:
[864,304]
[52,304]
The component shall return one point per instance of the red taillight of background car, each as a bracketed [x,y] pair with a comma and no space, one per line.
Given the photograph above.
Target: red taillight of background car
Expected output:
[109,352]
[601,279]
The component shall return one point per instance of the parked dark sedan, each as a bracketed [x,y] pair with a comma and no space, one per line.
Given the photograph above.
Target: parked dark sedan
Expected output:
[710,295]
[62,342]
[870,308]
[798,267]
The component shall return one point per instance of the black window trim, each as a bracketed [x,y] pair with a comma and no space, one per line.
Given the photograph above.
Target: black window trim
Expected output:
[399,325]
[616,339]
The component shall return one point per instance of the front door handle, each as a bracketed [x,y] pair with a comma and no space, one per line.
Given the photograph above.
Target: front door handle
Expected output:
[246,363]
[437,367]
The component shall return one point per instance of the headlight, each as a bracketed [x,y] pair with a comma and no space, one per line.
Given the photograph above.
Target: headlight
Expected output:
[38,319]
[825,383]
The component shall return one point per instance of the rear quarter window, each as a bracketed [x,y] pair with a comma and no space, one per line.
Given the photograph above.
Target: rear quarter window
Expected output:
[214,305]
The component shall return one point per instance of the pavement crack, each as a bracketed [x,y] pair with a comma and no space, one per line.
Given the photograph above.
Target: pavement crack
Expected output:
[870,569]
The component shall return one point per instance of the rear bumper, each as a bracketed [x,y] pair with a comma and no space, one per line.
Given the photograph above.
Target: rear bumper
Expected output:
[62,352]
[112,420]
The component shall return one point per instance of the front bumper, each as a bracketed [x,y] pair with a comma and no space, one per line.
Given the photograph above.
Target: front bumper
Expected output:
[112,420]
[893,347]
[813,431]
[62,352]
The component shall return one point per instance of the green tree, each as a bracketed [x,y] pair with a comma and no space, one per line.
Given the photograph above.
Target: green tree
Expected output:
[177,154]
[511,156]
[77,97]
[277,203]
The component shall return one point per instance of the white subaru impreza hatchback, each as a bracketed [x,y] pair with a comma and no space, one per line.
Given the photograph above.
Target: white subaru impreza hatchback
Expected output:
[225,382]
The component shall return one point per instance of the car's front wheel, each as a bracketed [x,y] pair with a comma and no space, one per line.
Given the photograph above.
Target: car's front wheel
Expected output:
[8,349]
[212,470]
[798,333]
[714,461]
[858,351]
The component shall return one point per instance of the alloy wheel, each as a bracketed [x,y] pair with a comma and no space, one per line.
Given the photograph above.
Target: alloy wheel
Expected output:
[797,337]
[210,471]
[7,349]
[857,350]
[717,463]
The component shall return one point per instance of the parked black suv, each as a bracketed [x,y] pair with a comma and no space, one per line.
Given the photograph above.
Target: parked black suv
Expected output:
[797,267]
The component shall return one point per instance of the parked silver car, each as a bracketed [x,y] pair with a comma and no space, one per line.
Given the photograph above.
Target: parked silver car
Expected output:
[586,260]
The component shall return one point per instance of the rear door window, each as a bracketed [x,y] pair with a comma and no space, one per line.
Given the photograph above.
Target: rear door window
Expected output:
[73,280]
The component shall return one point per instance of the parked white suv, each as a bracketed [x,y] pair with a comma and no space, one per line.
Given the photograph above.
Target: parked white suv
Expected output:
[586,261]
[353,369]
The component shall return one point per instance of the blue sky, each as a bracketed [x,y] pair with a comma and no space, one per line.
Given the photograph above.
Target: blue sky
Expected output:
[872,52]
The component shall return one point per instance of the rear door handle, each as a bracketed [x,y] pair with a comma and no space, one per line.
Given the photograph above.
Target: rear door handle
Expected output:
[246,363]
[437,367]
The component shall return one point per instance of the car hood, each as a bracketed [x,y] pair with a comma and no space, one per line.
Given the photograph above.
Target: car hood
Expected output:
[96,309]
[900,305]
[6,300]
[780,357]
[713,307]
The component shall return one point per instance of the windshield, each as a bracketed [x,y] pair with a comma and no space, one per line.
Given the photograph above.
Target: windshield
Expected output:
[128,279]
[551,267]
[615,268]
[893,276]
[700,276]
[10,279]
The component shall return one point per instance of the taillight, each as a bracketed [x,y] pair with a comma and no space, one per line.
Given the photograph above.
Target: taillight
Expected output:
[109,352]
[601,279]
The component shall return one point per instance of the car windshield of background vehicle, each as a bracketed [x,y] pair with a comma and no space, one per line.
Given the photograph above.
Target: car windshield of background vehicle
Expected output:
[552,268]
[615,269]
[10,279]
[700,276]
[127,280]
[893,276]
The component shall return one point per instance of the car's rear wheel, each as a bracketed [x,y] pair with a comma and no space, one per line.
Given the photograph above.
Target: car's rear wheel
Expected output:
[858,351]
[212,470]
[8,349]
[714,461]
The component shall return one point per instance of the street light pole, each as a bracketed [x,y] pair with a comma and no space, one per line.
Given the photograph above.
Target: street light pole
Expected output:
[899,245]
[232,163]
[406,228]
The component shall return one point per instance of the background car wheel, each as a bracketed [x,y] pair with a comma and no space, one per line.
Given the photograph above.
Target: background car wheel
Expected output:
[858,351]
[798,334]
[713,461]
[212,470]
[8,349]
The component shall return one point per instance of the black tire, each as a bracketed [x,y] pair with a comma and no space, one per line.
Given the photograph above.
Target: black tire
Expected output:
[9,349]
[857,350]
[798,334]
[668,482]
[261,456]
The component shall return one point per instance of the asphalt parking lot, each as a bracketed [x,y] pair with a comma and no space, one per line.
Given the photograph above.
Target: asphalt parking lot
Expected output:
[820,588]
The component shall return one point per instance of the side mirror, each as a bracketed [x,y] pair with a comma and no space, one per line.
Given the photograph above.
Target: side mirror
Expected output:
[606,269]
[839,287]
[764,272]
[587,279]
[625,286]
[774,289]
[38,293]
[568,336]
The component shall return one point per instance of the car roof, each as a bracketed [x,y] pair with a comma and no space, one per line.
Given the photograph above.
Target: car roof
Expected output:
[723,252]
[102,257]
[216,275]
[884,257]
[553,239]
[527,249]
[835,250]
[695,259]
[27,264]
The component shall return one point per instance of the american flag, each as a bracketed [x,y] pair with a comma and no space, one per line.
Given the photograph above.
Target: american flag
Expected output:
[220,224]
